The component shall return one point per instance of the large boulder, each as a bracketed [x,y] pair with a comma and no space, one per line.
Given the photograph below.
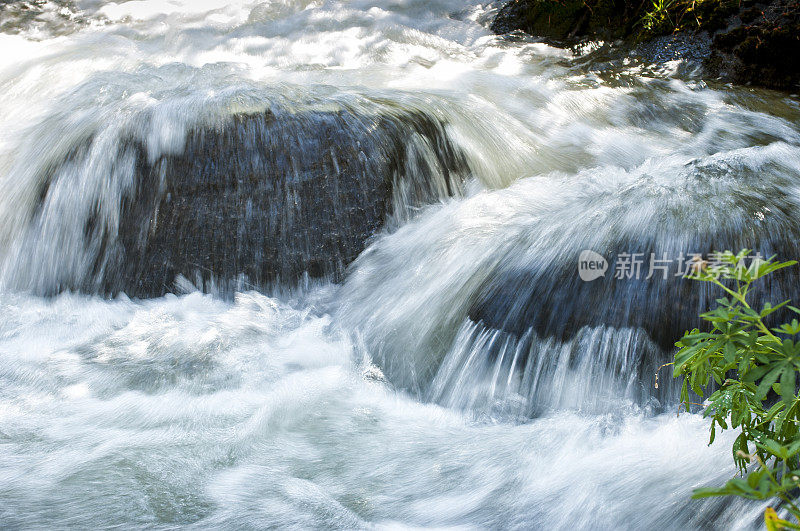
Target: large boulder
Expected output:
[262,198]
[498,294]
[551,300]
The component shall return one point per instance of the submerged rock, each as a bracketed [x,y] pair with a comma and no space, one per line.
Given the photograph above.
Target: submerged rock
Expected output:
[550,300]
[501,269]
[264,198]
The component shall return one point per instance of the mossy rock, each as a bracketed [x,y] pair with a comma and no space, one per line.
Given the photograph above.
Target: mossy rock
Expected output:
[764,50]
[753,42]
[563,21]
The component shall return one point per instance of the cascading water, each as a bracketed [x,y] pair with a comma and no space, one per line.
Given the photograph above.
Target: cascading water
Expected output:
[350,231]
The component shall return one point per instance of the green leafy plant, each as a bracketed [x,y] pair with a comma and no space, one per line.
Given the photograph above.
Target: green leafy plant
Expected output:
[754,369]
[666,16]
[659,14]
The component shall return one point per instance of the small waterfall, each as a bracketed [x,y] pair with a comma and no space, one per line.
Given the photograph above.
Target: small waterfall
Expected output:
[499,320]
[599,370]
[238,191]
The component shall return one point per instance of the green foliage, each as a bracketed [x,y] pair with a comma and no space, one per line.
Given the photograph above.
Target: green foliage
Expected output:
[659,16]
[754,369]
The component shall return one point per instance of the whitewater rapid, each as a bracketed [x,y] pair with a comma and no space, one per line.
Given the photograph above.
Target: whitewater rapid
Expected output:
[193,411]
[410,390]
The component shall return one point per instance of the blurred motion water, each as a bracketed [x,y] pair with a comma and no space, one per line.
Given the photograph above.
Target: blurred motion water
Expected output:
[309,263]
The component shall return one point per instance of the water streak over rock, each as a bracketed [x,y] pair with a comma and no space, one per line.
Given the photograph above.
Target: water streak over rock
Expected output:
[252,200]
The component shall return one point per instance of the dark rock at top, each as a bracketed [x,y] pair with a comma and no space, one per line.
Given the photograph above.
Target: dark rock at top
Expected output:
[562,22]
[764,49]
[753,42]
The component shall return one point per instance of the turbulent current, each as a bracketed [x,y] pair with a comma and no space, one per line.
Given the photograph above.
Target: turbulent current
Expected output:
[314,264]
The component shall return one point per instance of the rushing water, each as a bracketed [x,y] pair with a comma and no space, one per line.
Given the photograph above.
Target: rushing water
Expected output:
[457,372]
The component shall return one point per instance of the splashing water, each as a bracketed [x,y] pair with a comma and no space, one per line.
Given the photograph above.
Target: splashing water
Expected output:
[384,205]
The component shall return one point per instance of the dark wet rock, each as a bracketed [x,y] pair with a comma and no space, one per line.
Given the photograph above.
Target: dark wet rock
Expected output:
[571,20]
[751,42]
[709,206]
[265,198]
[568,20]
[551,300]
[763,49]
[677,46]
